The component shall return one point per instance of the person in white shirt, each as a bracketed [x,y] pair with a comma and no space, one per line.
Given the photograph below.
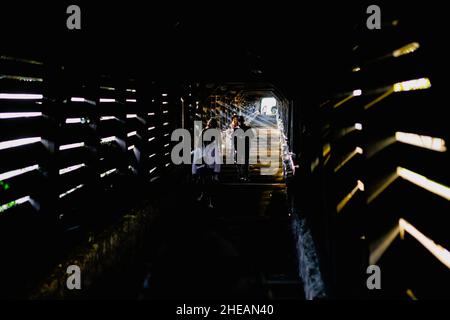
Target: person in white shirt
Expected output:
[207,161]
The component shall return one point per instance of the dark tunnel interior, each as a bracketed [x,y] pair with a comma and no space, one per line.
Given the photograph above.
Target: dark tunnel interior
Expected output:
[345,176]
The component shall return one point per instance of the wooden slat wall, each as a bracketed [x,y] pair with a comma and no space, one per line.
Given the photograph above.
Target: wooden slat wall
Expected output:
[76,180]
[360,155]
